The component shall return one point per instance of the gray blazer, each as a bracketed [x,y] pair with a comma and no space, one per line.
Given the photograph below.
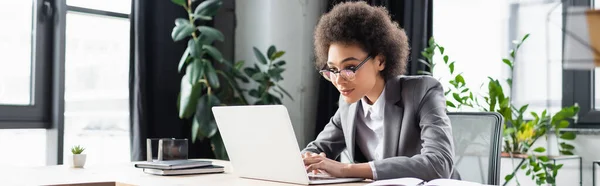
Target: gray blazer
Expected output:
[417,132]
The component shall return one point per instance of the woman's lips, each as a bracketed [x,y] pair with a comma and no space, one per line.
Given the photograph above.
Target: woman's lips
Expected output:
[346,92]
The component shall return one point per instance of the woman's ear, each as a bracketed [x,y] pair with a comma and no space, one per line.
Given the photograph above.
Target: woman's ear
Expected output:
[380,62]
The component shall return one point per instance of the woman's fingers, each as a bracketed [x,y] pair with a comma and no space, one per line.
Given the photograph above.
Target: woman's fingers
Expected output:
[315,167]
[313,159]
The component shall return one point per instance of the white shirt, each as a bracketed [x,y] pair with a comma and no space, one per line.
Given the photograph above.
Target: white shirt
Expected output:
[369,129]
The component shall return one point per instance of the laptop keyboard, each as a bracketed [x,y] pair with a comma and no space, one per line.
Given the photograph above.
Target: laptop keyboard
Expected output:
[320,177]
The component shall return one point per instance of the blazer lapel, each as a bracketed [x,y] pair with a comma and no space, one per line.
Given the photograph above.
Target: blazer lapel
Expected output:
[352,130]
[393,114]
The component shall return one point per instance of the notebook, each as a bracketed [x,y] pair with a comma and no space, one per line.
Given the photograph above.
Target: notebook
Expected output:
[173,164]
[419,182]
[201,170]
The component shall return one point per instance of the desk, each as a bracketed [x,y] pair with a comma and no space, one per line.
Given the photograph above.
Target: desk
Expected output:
[126,174]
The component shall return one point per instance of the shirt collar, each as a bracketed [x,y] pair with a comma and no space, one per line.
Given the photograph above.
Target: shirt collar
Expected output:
[377,108]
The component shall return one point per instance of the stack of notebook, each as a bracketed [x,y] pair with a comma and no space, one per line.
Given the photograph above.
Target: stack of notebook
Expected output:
[179,167]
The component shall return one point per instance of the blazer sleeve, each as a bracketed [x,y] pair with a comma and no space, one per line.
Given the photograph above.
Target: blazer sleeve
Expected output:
[330,140]
[436,157]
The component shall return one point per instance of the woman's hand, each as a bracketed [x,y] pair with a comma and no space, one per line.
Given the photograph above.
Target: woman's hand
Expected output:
[317,163]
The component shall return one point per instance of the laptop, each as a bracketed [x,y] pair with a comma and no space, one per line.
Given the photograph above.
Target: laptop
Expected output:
[261,144]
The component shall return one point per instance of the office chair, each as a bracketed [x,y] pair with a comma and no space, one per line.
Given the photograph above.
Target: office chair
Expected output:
[477,145]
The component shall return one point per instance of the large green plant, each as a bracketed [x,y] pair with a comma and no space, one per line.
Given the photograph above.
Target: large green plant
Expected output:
[519,134]
[201,86]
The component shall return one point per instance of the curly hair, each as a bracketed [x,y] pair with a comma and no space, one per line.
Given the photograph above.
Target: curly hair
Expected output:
[369,27]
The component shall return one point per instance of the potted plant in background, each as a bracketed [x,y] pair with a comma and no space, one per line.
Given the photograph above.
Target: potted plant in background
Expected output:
[519,134]
[210,80]
[77,159]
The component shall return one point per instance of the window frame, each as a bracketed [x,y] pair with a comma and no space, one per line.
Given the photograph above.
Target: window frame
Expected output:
[37,114]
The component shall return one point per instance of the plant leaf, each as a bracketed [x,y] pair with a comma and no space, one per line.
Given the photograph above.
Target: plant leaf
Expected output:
[185,59]
[566,152]
[180,2]
[213,52]
[441,50]
[250,71]
[219,148]
[197,70]
[459,79]
[276,55]
[211,33]
[279,63]
[208,8]
[275,73]
[568,136]
[271,51]
[211,74]
[189,95]
[540,149]
[258,77]
[450,104]
[261,58]
[508,177]
[238,65]
[183,28]
[445,58]
[507,62]
[566,146]
[193,48]
[451,66]
[563,124]
[254,93]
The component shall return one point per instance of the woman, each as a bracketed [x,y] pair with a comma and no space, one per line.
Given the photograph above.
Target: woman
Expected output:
[393,126]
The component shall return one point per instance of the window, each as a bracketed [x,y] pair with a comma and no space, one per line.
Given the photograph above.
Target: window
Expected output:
[97,80]
[485,36]
[24,85]
[24,55]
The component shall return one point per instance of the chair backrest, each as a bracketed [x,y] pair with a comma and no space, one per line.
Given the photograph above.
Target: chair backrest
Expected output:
[477,143]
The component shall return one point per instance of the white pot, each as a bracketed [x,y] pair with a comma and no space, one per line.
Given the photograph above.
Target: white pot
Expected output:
[77,160]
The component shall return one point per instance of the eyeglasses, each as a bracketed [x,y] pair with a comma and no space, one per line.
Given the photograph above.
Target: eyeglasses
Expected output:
[348,74]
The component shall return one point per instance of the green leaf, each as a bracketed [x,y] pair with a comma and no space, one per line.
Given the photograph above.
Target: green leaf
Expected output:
[509,82]
[457,97]
[524,38]
[219,148]
[211,74]
[254,93]
[201,17]
[185,59]
[544,158]
[258,77]
[204,116]
[563,124]
[276,73]
[183,28]
[211,33]
[197,70]
[284,91]
[271,51]
[276,55]
[464,90]
[278,92]
[180,2]
[250,71]
[425,62]
[445,58]
[523,167]
[566,146]
[238,65]
[261,58]
[279,63]
[208,8]
[508,177]
[528,172]
[539,149]
[459,79]
[441,50]
[508,62]
[189,95]
[450,104]
[566,152]
[213,52]
[568,136]
[512,54]
[193,48]
[451,66]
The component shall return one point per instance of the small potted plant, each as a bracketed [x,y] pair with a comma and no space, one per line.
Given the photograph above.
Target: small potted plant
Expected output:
[78,159]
